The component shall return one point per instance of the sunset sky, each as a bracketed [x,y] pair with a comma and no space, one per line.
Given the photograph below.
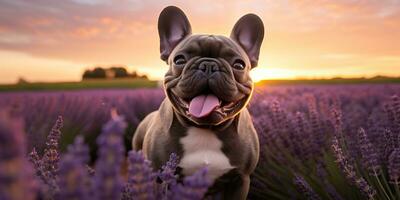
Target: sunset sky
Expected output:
[48,40]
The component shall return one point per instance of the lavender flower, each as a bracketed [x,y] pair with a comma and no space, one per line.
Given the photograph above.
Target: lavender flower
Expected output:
[394,166]
[302,136]
[107,181]
[90,170]
[389,142]
[369,155]
[141,179]
[317,130]
[194,187]
[79,150]
[337,121]
[304,188]
[51,156]
[349,171]
[48,186]
[167,174]
[289,141]
[35,159]
[47,166]
[16,173]
[396,111]
[73,178]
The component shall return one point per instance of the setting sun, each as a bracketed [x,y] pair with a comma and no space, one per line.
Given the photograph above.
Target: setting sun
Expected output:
[262,73]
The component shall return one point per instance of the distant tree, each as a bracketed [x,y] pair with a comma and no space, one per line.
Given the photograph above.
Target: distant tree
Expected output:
[120,72]
[22,80]
[99,72]
[87,74]
[111,73]
[133,74]
[144,76]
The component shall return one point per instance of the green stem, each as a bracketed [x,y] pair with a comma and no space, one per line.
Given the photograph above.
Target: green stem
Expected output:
[397,188]
[387,186]
[380,185]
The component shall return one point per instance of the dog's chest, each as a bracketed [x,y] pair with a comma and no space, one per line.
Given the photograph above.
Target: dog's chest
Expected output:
[202,148]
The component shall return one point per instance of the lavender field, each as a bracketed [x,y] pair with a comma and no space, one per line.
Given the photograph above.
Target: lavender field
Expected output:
[317,142]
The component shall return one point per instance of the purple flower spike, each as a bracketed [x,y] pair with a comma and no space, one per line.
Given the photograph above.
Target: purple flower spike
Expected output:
[304,188]
[167,174]
[141,179]
[107,179]
[74,181]
[34,158]
[337,121]
[48,185]
[370,157]
[51,155]
[79,150]
[348,170]
[16,173]
[194,187]
[394,166]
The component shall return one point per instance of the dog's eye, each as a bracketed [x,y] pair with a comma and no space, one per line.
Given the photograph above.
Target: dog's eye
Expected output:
[239,64]
[179,60]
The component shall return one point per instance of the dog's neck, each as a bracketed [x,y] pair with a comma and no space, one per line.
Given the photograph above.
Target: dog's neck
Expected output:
[187,123]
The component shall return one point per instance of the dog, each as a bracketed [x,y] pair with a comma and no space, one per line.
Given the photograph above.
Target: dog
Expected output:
[204,119]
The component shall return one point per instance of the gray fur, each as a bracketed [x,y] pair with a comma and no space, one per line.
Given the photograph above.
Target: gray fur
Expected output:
[160,133]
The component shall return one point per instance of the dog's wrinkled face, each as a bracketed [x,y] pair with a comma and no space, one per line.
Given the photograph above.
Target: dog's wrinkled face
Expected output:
[208,80]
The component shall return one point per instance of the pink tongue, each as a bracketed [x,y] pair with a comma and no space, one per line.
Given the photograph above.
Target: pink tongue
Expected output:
[203,105]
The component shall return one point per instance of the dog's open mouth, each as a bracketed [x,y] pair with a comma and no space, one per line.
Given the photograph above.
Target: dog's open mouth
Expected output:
[203,105]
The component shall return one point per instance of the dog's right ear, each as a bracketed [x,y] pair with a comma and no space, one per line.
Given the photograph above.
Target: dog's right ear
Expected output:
[173,27]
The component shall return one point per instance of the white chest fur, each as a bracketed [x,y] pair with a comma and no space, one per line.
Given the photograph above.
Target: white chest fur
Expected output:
[202,148]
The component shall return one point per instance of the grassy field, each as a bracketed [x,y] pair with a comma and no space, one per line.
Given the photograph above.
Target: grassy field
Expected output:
[86,84]
[144,83]
[375,80]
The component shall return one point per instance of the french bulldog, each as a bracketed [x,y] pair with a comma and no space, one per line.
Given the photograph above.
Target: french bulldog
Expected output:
[204,119]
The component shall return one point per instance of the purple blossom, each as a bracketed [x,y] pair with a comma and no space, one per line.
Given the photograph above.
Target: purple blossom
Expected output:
[294,124]
[337,121]
[167,173]
[16,173]
[73,178]
[51,154]
[107,181]
[194,187]
[168,176]
[394,166]
[369,155]
[141,178]
[304,188]
[348,170]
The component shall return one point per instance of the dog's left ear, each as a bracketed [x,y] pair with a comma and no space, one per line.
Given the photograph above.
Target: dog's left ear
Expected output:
[249,33]
[173,27]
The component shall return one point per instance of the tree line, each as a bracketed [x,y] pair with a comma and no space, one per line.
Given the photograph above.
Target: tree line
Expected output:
[110,73]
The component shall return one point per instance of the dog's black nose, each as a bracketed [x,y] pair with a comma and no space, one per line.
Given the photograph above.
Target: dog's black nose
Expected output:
[209,67]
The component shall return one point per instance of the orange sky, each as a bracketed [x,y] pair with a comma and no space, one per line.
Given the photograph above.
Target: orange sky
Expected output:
[47,40]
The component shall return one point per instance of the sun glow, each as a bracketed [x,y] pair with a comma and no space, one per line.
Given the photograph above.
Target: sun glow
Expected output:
[262,73]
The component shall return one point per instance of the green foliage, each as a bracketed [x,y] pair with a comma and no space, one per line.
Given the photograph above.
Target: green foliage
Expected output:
[128,83]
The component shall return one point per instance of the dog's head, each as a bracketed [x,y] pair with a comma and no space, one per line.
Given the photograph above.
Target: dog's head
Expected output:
[208,80]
